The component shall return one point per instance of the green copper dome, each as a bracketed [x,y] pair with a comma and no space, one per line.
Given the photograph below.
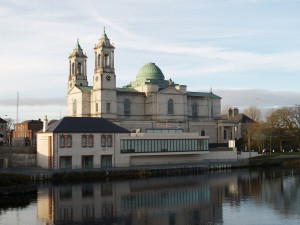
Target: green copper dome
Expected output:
[150,72]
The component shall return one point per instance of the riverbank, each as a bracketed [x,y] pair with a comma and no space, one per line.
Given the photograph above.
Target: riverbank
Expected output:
[22,180]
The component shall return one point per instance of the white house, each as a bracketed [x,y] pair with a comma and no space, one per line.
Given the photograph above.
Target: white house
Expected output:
[94,142]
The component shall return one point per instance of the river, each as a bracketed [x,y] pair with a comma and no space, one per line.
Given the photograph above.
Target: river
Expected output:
[247,197]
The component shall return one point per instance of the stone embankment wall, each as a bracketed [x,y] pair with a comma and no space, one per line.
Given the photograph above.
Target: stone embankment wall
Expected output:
[17,157]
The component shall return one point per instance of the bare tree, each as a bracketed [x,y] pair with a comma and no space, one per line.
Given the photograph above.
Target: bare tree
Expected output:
[10,124]
[253,112]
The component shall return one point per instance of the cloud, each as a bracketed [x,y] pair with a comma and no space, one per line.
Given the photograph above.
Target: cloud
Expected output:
[34,101]
[243,98]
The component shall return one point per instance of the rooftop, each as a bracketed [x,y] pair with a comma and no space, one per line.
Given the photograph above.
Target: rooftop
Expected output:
[85,125]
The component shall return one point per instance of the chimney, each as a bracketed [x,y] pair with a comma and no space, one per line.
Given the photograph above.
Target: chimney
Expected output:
[230,112]
[235,111]
[45,124]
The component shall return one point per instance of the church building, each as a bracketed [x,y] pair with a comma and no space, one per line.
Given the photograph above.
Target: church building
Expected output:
[148,103]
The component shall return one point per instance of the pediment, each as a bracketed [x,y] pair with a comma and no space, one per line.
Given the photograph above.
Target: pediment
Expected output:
[170,90]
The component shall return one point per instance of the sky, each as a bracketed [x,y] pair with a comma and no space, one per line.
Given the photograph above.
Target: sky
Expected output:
[246,51]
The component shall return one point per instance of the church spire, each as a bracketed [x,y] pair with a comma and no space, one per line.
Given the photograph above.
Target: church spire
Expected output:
[77,51]
[104,36]
[77,67]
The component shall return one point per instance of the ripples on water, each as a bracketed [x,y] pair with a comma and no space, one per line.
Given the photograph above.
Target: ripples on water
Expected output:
[227,198]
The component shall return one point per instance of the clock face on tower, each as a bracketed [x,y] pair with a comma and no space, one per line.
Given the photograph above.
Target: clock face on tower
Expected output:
[108,78]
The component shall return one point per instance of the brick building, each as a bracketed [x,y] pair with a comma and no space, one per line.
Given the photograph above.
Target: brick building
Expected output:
[25,133]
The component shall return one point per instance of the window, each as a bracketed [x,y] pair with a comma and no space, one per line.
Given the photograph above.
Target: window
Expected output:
[65,162]
[99,60]
[87,140]
[106,140]
[88,213]
[109,140]
[127,107]
[106,60]
[106,161]
[202,133]
[87,161]
[90,141]
[74,107]
[62,141]
[87,190]
[69,141]
[194,109]
[225,134]
[65,141]
[163,145]
[79,68]
[96,107]
[170,106]
[83,140]
[73,68]
[103,140]
[108,107]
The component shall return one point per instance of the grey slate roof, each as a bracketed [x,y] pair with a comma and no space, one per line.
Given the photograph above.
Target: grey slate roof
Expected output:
[84,88]
[239,118]
[85,125]
[202,94]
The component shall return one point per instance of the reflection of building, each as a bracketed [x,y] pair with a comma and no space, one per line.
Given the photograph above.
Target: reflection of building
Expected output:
[3,131]
[178,201]
[25,133]
[89,142]
[150,101]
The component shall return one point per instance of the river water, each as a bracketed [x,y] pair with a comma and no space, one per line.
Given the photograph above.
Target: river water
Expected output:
[241,197]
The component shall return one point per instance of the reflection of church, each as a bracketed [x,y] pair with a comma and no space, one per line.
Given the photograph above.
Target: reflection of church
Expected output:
[166,201]
[150,101]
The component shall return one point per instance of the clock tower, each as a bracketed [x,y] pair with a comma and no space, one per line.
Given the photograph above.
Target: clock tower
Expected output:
[104,97]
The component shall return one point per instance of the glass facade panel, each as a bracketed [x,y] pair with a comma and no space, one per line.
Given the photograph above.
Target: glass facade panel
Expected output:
[163,145]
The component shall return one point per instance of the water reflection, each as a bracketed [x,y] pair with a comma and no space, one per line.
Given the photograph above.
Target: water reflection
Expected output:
[214,198]
[173,200]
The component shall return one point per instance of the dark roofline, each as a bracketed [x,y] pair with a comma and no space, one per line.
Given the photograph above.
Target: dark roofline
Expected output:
[85,125]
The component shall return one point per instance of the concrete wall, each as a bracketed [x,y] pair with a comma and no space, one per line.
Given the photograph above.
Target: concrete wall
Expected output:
[18,156]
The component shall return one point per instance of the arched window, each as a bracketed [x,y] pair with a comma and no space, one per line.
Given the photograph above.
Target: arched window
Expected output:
[106,60]
[99,61]
[170,106]
[73,68]
[194,109]
[79,68]
[74,107]
[202,133]
[126,106]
